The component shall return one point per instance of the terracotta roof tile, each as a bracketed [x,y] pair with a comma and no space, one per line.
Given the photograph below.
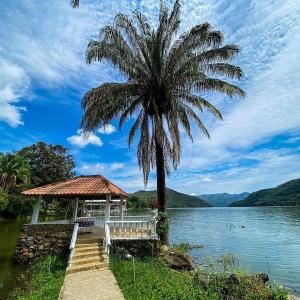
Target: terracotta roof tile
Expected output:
[93,185]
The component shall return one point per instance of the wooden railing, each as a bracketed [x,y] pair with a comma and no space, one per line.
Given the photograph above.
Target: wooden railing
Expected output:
[73,241]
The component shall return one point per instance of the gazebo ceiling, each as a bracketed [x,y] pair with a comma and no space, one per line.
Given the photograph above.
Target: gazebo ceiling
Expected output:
[92,186]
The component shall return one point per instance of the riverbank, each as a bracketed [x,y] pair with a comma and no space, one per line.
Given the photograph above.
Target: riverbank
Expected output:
[154,279]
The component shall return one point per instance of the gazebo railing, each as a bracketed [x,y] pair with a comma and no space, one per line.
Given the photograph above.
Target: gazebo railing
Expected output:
[128,227]
[131,218]
[136,229]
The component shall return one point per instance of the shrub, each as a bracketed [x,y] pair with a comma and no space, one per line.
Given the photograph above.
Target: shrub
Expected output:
[3,200]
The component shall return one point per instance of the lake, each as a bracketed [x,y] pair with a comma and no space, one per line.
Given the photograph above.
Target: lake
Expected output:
[265,239]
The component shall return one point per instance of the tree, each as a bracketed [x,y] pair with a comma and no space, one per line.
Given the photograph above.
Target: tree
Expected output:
[75,3]
[14,171]
[3,200]
[165,83]
[48,163]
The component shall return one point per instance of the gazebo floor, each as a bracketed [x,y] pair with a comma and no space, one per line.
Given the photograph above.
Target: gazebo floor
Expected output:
[91,233]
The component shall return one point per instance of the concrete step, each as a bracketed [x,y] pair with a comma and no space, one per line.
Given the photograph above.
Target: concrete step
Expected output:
[87,245]
[87,266]
[88,249]
[87,260]
[86,240]
[87,254]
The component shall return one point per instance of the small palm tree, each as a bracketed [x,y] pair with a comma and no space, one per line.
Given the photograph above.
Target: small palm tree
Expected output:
[165,81]
[14,171]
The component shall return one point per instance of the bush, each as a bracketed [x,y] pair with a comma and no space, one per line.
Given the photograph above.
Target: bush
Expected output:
[19,205]
[3,199]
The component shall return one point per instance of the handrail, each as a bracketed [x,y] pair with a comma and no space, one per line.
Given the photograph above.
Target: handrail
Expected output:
[128,222]
[107,239]
[73,241]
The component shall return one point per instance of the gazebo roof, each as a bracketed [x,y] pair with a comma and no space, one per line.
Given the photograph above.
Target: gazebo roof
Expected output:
[81,186]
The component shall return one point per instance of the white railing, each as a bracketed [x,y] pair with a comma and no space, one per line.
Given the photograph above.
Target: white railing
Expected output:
[131,218]
[136,229]
[73,241]
[107,241]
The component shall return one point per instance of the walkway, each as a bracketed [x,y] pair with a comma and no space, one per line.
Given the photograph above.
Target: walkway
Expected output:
[91,285]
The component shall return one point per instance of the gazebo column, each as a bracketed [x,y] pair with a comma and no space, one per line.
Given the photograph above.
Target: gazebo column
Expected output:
[75,209]
[36,211]
[107,207]
[121,207]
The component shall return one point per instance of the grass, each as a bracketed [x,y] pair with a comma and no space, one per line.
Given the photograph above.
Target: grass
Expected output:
[155,280]
[42,281]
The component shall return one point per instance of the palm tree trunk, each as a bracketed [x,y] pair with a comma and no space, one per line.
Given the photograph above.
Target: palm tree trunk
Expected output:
[161,193]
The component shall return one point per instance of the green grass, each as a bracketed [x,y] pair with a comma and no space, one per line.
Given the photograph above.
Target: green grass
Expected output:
[43,281]
[155,280]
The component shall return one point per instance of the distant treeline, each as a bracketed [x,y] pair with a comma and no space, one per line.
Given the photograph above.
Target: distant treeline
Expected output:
[287,194]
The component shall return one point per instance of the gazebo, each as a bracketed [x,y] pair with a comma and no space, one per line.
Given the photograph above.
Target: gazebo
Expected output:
[96,188]
[91,236]
[92,187]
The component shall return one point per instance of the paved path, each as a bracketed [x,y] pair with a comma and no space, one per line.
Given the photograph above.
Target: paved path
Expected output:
[91,285]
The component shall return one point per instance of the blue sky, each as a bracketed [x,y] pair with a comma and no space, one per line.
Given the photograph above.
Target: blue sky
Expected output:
[44,75]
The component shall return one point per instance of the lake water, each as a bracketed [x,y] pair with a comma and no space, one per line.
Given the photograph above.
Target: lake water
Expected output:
[265,239]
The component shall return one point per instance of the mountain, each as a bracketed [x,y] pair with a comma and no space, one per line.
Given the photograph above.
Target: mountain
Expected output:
[222,199]
[173,199]
[286,194]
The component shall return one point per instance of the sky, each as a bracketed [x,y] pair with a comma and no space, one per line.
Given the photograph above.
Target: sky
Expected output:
[43,76]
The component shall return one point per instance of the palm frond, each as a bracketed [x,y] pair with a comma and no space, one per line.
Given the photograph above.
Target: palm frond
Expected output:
[75,3]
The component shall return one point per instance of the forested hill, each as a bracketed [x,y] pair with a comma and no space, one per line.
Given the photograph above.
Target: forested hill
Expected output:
[223,199]
[286,194]
[174,199]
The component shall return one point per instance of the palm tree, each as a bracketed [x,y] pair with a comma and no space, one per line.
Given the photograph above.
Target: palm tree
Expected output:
[75,3]
[165,81]
[14,171]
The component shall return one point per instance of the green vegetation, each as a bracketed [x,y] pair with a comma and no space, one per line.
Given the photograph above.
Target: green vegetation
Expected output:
[48,163]
[43,280]
[166,78]
[14,171]
[155,280]
[173,199]
[32,166]
[222,199]
[287,194]
[3,199]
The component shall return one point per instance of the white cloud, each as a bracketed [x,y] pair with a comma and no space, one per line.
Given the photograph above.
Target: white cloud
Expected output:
[206,179]
[193,194]
[81,140]
[116,166]
[14,86]
[107,129]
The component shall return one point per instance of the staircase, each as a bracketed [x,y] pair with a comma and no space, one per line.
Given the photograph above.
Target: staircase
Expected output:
[88,254]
